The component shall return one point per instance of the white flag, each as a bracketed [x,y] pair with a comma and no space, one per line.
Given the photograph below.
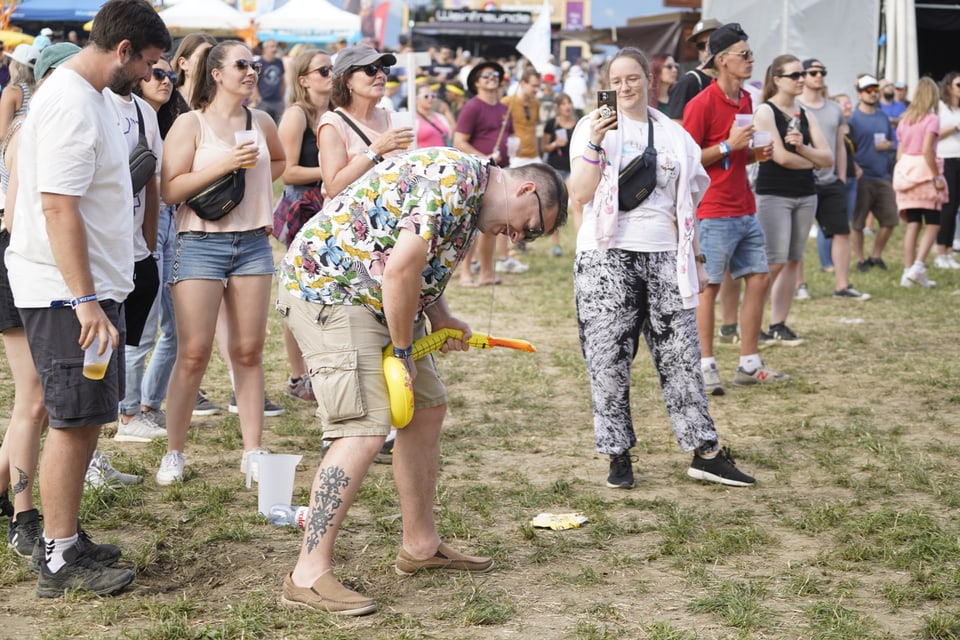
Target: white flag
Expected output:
[535,43]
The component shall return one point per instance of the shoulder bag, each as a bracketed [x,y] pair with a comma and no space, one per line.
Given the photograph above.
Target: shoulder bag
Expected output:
[143,161]
[221,197]
[639,178]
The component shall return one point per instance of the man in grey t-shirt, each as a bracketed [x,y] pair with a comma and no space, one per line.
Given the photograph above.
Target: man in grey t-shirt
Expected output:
[832,212]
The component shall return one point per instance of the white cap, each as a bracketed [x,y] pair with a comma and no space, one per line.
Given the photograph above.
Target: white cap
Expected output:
[46,31]
[867,81]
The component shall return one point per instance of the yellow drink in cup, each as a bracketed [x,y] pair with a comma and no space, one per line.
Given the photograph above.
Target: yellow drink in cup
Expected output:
[247,135]
[94,364]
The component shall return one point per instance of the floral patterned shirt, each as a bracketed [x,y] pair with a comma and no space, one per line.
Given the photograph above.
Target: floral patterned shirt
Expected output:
[340,254]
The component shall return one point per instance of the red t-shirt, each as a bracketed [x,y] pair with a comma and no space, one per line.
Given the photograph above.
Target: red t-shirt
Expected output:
[708,118]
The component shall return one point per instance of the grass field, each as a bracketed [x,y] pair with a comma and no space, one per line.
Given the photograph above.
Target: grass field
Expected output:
[850,533]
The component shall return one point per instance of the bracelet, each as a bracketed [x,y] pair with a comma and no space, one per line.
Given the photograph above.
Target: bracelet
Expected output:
[589,161]
[595,147]
[724,149]
[403,354]
[373,156]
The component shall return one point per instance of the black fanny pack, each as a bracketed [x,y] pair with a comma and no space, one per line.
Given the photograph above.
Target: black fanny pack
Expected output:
[639,178]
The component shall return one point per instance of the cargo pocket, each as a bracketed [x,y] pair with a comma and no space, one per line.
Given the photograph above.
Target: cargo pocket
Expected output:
[77,395]
[336,380]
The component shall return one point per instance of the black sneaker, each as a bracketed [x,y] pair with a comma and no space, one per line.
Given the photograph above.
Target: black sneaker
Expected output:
[24,532]
[720,469]
[386,453]
[851,293]
[621,471]
[105,554]
[81,572]
[784,335]
[864,265]
[6,507]
[878,263]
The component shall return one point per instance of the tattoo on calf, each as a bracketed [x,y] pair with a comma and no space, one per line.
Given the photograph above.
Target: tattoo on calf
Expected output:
[326,501]
[22,481]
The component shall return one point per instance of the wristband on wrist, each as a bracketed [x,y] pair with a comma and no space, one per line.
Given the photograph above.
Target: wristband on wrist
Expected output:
[589,161]
[595,147]
[74,302]
[724,149]
[373,156]
[403,354]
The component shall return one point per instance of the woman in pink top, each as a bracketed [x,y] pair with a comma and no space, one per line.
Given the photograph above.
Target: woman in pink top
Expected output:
[229,259]
[918,180]
[433,129]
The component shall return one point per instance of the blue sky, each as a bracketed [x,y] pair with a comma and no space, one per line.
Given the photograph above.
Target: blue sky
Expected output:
[614,13]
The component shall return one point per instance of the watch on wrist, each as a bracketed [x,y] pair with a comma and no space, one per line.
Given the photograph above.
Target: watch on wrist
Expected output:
[373,156]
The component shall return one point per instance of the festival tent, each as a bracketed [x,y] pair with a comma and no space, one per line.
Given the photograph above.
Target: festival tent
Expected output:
[213,16]
[56,10]
[308,21]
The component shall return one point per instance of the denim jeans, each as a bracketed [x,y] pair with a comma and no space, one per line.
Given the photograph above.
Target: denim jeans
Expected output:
[148,385]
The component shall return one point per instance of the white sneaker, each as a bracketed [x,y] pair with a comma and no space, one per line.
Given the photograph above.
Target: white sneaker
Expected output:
[711,380]
[946,261]
[171,468]
[100,473]
[918,275]
[905,280]
[510,265]
[139,429]
[802,292]
[246,460]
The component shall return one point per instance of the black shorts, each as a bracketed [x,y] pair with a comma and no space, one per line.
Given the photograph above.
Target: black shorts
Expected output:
[71,399]
[832,209]
[136,308]
[9,316]
[927,216]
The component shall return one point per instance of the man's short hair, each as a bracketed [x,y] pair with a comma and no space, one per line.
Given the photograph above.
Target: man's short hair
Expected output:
[133,20]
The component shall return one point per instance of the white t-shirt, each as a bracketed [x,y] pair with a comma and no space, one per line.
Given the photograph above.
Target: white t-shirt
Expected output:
[71,145]
[949,145]
[652,226]
[127,117]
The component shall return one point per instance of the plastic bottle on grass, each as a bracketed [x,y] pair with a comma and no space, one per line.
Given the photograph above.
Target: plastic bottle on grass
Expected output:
[283,515]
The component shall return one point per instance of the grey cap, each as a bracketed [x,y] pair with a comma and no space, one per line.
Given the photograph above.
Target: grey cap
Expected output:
[358,56]
[709,24]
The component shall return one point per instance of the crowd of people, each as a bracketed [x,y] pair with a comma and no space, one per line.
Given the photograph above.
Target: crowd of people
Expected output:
[692,188]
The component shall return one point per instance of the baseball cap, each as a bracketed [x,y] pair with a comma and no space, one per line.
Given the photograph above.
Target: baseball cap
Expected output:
[54,56]
[24,54]
[899,85]
[809,62]
[46,31]
[710,24]
[866,82]
[550,78]
[722,39]
[359,56]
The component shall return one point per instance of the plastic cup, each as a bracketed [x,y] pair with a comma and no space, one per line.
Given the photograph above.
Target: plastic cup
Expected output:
[561,135]
[878,139]
[277,472]
[401,120]
[513,146]
[743,120]
[761,139]
[94,364]
[247,135]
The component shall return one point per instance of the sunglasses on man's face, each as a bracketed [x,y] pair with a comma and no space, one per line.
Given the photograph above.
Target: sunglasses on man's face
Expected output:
[243,65]
[160,74]
[373,69]
[487,75]
[817,72]
[702,45]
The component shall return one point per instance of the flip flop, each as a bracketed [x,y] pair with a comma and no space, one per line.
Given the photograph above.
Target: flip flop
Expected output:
[489,283]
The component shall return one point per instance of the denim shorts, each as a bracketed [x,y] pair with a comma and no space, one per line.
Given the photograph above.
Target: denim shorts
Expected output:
[735,243]
[218,256]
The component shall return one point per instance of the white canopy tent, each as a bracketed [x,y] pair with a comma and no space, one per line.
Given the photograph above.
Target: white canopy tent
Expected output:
[308,21]
[845,36]
[213,16]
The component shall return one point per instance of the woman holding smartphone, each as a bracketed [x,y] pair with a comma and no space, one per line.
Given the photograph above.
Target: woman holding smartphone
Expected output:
[638,272]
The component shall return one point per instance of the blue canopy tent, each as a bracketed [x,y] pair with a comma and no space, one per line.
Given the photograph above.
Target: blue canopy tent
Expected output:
[56,10]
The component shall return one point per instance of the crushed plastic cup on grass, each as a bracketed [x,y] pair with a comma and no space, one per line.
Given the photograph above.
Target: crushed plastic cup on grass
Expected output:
[559,521]
[852,321]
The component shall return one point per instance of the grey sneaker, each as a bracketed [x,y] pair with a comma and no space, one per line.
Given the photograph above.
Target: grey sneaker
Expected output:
[510,265]
[270,409]
[760,375]
[203,406]
[24,532]
[139,429]
[81,572]
[711,380]
[100,473]
[851,293]
[802,292]
[386,452]
[728,335]
[155,416]
[301,388]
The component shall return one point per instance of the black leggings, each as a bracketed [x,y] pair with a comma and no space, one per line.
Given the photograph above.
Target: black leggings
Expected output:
[948,217]
[928,216]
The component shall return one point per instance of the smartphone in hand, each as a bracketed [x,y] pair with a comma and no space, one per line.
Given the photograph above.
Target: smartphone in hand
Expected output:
[607,103]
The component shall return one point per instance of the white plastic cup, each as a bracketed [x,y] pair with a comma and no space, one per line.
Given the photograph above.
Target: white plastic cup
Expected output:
[561,135]
[513,146]
[94,364]
[760,140]
[276,472]
[743,120]
[244,136]
[878,139]
[401,120]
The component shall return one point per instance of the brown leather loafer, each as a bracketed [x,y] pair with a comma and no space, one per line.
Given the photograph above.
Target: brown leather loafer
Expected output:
[326,594]
[445,559]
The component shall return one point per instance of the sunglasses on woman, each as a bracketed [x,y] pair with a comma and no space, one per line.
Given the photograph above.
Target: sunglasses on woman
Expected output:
[323,71]
[160,74]
[795,76]
[428,96]
[243,65]
[373,69]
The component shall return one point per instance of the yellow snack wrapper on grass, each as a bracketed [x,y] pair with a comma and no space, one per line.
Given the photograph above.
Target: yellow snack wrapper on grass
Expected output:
[559,521]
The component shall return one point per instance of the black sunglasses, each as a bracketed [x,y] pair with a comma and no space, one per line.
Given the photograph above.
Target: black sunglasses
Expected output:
[160,74]
[702,45]
[323,71]
[529,235]
[817,72]
[243,65]
[796,75]
[373,68]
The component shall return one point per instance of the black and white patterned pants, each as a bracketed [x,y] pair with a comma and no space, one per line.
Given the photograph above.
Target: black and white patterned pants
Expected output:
[620,294]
